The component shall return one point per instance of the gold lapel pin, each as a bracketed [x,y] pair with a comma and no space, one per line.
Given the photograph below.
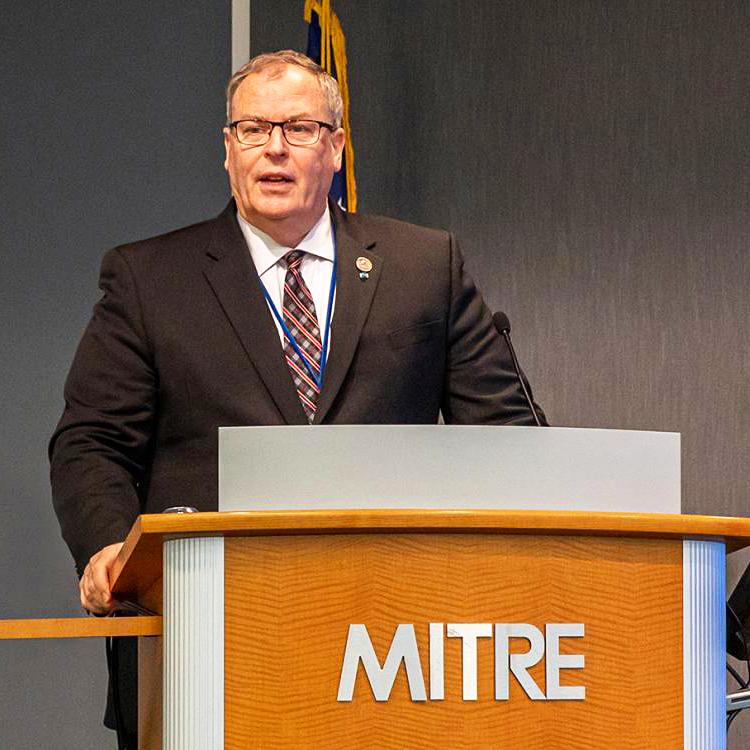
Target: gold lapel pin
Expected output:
[363,264]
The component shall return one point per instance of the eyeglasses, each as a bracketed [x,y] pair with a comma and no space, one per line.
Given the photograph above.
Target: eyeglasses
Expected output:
[296,132]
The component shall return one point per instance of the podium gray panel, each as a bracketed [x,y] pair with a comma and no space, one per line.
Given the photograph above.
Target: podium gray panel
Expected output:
[448,466]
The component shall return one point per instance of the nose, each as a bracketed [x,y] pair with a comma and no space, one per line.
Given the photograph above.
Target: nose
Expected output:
[277,143]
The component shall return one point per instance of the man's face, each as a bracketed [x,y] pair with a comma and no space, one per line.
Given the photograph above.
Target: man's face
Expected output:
[279,188]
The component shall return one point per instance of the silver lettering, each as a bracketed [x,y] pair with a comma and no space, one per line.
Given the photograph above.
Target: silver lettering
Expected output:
[403,648]
[469,632]
[556,661]
[437,663]
[519,663]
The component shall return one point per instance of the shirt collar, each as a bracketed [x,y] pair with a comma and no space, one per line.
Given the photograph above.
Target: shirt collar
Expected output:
[266,252]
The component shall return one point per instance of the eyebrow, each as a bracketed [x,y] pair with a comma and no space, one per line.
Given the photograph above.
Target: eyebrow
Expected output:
[301,116]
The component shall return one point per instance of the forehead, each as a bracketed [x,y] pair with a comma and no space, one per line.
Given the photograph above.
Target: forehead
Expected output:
[279,93]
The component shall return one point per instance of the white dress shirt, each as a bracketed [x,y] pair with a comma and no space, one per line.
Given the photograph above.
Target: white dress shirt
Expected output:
[316,268]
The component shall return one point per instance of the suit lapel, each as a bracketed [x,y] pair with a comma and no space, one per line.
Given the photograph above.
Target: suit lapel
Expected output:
[232,277]
[353,300]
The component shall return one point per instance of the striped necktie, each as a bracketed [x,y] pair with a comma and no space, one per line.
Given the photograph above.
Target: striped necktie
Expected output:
[302,322]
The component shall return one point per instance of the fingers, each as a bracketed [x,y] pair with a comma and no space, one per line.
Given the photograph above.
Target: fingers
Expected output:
[95,590]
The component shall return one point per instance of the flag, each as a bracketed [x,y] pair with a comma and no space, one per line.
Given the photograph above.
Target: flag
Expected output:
[326,45]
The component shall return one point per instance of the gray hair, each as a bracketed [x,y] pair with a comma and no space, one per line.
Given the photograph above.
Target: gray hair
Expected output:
[270,60]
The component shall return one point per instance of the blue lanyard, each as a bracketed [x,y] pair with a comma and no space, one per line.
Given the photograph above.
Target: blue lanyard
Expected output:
[318,378]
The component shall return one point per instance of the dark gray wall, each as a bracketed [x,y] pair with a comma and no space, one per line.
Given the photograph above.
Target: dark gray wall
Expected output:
[592,156]
[110,120]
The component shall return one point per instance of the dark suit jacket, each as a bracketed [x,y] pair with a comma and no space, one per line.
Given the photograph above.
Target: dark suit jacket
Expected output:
[182,342]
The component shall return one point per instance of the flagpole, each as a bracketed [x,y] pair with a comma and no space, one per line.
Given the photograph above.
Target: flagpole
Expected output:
[240,34]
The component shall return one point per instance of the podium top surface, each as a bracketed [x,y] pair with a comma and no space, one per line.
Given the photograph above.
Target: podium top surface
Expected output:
[139,562]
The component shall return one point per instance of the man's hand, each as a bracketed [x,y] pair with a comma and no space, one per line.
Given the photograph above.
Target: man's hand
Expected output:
[96,593]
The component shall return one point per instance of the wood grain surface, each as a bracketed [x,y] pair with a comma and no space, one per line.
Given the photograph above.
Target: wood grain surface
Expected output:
[290,600]
[137,571]
[150,703]
[80,627]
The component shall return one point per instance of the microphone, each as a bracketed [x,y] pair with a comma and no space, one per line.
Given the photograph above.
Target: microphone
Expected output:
[502,324]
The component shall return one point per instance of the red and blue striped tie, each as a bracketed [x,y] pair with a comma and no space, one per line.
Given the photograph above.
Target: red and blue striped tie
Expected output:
[302,322]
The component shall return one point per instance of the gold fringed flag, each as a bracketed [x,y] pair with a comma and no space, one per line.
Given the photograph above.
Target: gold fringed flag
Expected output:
[327,46]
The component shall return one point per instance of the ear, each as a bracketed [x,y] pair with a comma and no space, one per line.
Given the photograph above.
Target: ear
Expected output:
[227,144]
[338,139]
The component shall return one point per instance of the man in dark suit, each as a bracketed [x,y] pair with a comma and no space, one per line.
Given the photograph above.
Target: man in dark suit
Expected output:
[282,310]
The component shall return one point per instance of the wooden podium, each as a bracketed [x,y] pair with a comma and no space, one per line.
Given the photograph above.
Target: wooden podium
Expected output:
[259,606]
[399,624]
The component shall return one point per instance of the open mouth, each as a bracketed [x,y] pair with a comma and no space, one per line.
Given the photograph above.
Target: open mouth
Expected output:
[275,179]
